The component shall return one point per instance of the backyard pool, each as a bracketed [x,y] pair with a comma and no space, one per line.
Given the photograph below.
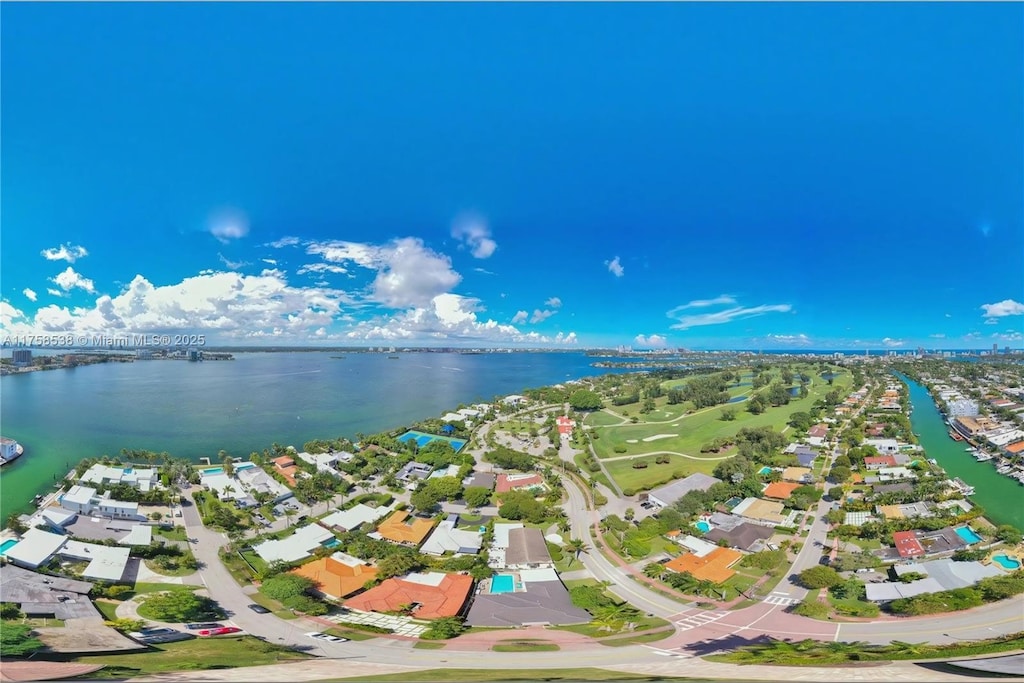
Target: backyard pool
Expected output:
[212,470]
[331,543]
[7,545]
[967,533]
[503,583]
[733,502]
[1005,561]
[423,439]
[703,526]
[765,470]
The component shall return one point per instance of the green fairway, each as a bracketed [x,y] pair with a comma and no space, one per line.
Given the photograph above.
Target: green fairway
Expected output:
[654,474]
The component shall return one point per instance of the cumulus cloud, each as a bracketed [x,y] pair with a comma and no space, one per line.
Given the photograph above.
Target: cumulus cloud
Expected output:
[65,252]
[228,225]
[520,317]
[1003,308]
[70,279]
[685,321]
[1009,336]
[475,234]
[271,261]
[553,302]
[654,341]
[233,305]
[8,314]
[892,343]
[801,339]
[565,338]
[540,316]
[409,274]
[29,294]
[321,268]
[615,267]
[54,292]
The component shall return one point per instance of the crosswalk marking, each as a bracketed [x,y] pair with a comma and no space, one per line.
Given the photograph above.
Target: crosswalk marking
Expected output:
[699,619]
[777,598]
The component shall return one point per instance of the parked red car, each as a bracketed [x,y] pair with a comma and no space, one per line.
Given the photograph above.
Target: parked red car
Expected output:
[222,631]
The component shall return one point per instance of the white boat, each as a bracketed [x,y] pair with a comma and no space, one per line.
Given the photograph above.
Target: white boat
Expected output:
[10,450]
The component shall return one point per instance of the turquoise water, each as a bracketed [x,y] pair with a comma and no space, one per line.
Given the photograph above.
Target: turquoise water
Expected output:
[192,410]
[967,533]
[703,526]
[992,490]
[7,545]
[765,470]
[1006,562]
[423,439]
[331,543]
[244,466]
[503,583]
[733,502]
[212,470]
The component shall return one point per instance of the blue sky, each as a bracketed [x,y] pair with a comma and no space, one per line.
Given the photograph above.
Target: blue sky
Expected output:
[699,175]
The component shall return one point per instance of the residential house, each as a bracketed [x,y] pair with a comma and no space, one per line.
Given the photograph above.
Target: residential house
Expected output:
[484,480]
[84,501]
[760,511]
[425,596]
[527,549]
[296,546]
[805,456]
[542,600]
[144,479]
[402,529]
[801,475]
[412,471]
[337,576]
[743,536]
[285,466]
[877,462]
[780,490]
[670,493]
[713,566]
[448,538]
[354,517]
[907,545]
[510,482]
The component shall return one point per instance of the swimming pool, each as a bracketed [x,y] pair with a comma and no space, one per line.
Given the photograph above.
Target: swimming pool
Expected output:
[765,470]
[331,543]
[503,583]
[1005,561]
[7,545]
[733,502]
[967,533]
[244,466]
[703,526]
[212,470]
[423,439]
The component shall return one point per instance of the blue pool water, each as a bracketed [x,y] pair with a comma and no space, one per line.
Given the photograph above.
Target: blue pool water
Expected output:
[733,502]
[332,543]
[423,439]
[703,526]
[503,583]
[212,470]
[1005,561]
[7,545]
[765,470]
[244,466]
[967,533]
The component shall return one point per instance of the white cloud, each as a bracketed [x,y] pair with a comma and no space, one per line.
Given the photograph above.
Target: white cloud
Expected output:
[228,225]
[801,339]
[69,280]
[54,292]
[553,302]
[271,261]
[8,314]
[284,242]
[686,321]
[566,338]
[321,268]
[520,317]
[1003,309]
[232,305]
[483,270]
[991,321]
[409,274]
[937,335]
[540,316]
[475,234]
[29,294]
[949,315]
[65,252]
[615,267]
[1009,336]
[654,341]
[233,265]
[892,343]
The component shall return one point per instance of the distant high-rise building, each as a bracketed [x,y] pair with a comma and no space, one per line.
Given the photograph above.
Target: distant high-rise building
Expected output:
[22,357]
[962,408]
[995,349]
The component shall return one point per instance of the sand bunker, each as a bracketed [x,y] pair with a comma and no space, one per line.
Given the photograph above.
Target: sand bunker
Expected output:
[632,440]
[659,436]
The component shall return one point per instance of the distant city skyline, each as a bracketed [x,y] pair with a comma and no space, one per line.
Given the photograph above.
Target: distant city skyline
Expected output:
[706,176]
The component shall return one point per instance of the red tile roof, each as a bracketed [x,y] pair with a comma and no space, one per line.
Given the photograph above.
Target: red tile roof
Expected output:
[907,544]
[780,490]
[504,484]
[443,600]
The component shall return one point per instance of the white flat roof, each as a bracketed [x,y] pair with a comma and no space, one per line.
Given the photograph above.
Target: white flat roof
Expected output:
[501,532]
[106,562]
[355,516]
[139,535]
[529,576]
[294,547]
[699,546]
[426,578]
[79,495]
[36,547]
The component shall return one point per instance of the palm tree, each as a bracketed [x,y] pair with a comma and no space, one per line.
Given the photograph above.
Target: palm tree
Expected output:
[577,546]
[654,570]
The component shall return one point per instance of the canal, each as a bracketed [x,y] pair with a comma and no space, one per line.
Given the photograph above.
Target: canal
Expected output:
[1000,496]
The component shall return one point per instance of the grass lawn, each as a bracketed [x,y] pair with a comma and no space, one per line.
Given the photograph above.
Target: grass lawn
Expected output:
[142,588]
[107,609]
[272,605]
[599,418]
[257,562]
[174,533]
[349,633]
[637,639]
[211,653]
[628,477]
[525,645]
[428,645]
[460,675]
[156,569]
